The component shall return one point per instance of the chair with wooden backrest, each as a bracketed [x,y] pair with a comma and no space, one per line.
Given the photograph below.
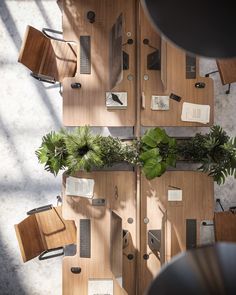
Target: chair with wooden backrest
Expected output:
[225,225]
[50,59]
[44,232]
[227,71]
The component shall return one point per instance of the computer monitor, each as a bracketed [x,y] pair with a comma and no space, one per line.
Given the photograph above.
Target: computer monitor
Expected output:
[164,63]
[116,247]
[116,54]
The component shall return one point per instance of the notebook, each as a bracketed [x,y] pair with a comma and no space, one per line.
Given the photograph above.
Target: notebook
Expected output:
[81,187]
[116,100]
[192,112]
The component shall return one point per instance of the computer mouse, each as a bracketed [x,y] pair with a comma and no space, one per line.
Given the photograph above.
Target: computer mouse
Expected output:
[200,85]
[75,270]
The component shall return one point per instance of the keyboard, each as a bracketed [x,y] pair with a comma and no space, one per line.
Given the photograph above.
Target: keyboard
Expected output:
[190,67]
[85,55]
[85,238]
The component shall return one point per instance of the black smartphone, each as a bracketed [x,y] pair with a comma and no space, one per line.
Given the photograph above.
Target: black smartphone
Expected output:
[175,97]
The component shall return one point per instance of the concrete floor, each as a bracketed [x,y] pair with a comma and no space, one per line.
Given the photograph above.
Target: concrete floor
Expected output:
[28,110]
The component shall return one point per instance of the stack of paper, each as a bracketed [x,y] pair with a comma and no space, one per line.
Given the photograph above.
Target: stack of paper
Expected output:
[192,112]
[81,187]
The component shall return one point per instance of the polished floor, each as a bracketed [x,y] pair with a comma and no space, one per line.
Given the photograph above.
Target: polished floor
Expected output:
[28,110]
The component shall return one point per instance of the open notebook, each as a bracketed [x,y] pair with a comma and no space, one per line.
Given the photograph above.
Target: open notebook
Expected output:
[82,187]
[192,112]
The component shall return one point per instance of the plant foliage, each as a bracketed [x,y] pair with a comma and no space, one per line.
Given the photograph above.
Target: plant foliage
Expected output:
[216,152]
[84,152]
[53,153]
[157,152]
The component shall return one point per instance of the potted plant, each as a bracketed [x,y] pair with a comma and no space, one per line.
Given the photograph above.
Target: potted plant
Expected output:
[157,152]
[81,150]
[154,152]
[215,151]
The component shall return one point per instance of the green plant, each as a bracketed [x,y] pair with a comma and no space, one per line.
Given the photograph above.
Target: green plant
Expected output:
[215,151]
[115,151]
[84,151]
[53,153]
[157,152]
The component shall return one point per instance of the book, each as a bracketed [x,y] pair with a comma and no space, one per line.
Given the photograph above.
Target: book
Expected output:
[160,103]
[116,100]
[81,187]
[192,112]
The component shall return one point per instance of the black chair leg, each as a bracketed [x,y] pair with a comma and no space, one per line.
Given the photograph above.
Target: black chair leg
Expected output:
[208,74]
[228,91]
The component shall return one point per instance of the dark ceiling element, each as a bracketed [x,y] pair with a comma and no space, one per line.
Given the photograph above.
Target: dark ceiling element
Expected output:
[203,27]
[207,270]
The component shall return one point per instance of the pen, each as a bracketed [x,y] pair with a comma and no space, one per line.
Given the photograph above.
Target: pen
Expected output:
[174,187]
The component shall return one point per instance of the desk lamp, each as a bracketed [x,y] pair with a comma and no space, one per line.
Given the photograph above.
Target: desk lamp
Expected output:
[205,28]
[207,270]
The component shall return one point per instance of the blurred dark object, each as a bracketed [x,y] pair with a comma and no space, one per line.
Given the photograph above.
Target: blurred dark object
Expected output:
[206,270]
[205,28]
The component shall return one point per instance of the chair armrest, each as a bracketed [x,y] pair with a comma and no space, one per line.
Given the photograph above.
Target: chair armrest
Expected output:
[43,78]
[39,209]
[44,255]
[46,30]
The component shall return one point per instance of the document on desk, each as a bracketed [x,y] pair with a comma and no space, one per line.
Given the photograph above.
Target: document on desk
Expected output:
[192,112]
[81,187]
[100,287]
[174,195]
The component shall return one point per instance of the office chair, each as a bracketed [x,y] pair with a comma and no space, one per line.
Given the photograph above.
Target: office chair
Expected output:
[225,224]
[227,71]
[44,233]
[49,58]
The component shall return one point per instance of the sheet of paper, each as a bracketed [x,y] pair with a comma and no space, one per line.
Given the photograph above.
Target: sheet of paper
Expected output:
[100,287]
[160,103]
[192,112]
[174,195]
[82,187]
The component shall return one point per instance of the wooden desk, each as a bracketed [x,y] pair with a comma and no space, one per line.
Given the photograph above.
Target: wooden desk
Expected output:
[175,82]
[119,189]
[225,226]
[197,203]
[86,106]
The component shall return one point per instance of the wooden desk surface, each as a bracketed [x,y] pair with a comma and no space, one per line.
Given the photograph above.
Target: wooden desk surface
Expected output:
[197,203]
[227,70]
[225,226]
[86,106]
[98,266]
[175,82]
